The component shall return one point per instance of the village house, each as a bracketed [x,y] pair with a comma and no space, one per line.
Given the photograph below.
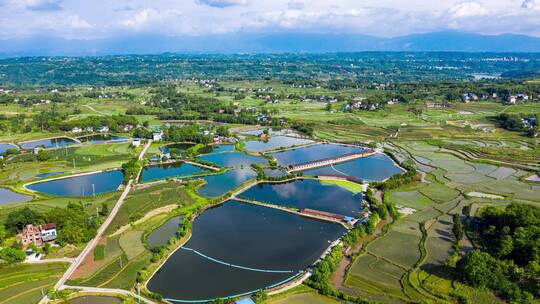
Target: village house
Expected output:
[38,235]
[136,142]
[103,129]
[157,136]
[76,130]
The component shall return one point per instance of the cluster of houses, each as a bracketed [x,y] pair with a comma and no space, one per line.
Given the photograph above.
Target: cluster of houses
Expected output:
[102,129]
[37,235]
[509,99]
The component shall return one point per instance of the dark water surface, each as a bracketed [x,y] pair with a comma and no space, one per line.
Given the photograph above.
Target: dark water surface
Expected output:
[81,185]
[178,169]
[312,153]
[372,168]
[237,248]
[307,193]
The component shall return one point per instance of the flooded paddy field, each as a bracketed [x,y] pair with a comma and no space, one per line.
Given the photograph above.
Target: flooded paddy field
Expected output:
[252,247]
[275,142]
[307,193]
[49,143]
[81,185]
[312,153]
[376,167]
[164,171]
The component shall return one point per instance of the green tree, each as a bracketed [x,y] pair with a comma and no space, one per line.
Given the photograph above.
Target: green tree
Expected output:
[12,256]
[19,218]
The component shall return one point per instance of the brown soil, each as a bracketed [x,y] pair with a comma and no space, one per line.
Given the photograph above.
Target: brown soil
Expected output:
[88,265]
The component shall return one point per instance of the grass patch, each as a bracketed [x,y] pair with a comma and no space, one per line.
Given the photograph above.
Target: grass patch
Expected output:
[99,252]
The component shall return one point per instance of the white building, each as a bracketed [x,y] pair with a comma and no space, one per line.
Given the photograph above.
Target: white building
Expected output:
[103,129]
[76,130]
[157,135]
[136,142]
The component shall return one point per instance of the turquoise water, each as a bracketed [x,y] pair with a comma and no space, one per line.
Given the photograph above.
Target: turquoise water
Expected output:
[217,185]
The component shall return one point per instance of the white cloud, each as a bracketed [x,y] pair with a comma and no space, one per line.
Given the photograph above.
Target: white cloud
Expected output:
[223,3]
[528,4]
[44,5]
[468,9]
[149,18]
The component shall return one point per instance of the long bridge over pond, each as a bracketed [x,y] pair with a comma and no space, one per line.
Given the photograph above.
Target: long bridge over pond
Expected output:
[329,161]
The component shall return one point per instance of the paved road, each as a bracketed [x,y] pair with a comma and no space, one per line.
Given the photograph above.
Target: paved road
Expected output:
[109,290]
[78,260]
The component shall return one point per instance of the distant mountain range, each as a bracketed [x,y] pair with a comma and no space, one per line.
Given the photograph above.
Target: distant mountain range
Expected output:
[268,43]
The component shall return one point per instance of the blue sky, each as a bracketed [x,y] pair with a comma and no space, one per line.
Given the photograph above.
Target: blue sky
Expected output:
[86,19]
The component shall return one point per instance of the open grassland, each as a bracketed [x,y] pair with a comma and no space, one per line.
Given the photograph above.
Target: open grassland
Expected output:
[142,201]
[24,283]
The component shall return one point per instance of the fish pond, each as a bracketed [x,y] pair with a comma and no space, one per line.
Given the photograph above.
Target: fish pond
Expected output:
[233,159]
[307,193]
[164,171]
[237,248]
[274,143]
[81,185]
[49,143]
[219,184]
[8,197]
[5,146]
[161,235]
[376,167]
[103,138]
[312,153]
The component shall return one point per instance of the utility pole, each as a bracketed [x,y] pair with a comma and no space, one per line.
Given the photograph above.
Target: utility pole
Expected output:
[93,191]
[73,162]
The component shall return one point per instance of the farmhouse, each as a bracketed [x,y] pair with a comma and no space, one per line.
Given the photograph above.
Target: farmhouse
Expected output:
[38,235]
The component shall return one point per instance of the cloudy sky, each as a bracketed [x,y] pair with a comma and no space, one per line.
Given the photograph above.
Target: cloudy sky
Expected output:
[88,19]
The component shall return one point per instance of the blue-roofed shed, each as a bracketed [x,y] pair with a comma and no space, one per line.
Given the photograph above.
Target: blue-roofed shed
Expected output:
[245,301]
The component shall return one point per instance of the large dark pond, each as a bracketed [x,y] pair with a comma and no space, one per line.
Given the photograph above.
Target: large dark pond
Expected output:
[81,185]
[7,197]
[373,168]
[103,138]
[275,142]
[311,153]
[233,159]
[308,193]
[177,169]
[49,143]
[161,235]
[237,248]
[5,146]
[219,184]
